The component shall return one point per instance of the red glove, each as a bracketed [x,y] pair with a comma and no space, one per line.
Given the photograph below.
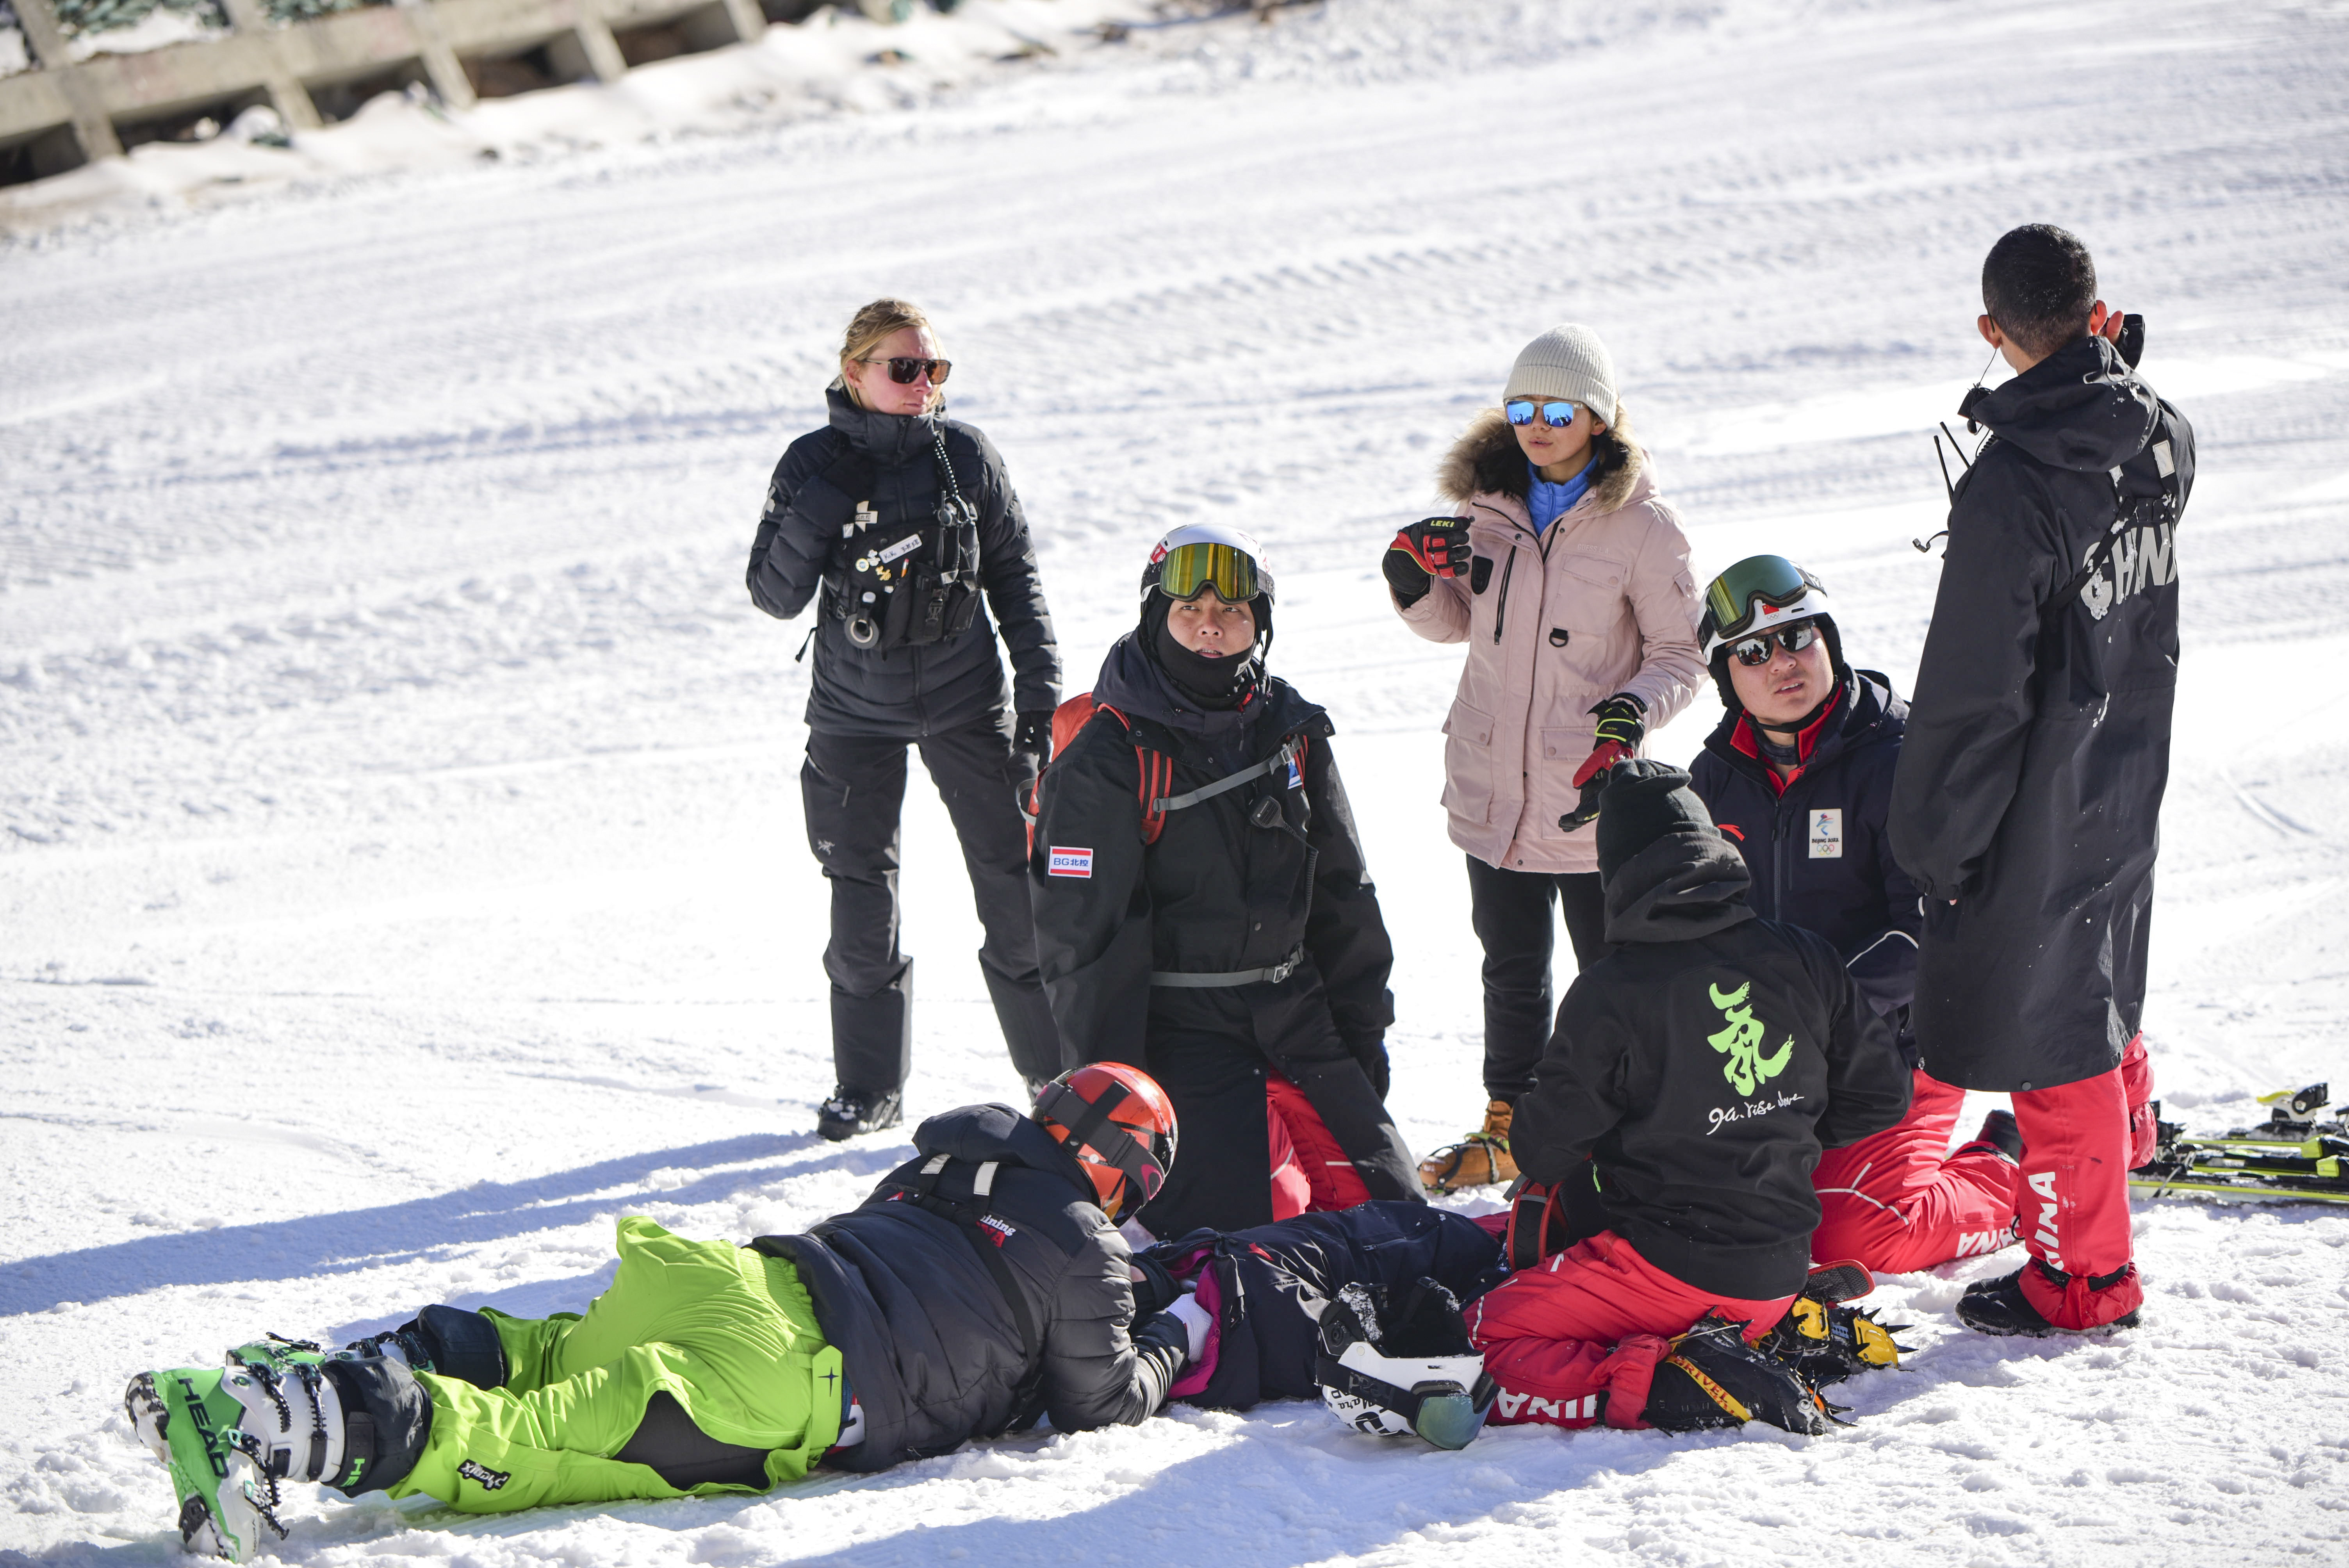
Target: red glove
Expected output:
[1437,545]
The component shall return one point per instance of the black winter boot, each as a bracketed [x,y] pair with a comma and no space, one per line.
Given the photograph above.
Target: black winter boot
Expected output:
[1999,1133]
[851,1112]
[1714,1378]
[1999,1305]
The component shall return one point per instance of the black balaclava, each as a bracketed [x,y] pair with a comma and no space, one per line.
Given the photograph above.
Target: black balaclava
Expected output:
[1216,685]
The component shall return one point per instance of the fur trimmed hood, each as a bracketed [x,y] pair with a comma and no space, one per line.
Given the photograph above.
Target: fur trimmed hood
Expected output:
[1487,460]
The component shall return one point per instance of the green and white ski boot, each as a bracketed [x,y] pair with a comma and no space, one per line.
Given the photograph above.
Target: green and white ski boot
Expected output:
[228,1436]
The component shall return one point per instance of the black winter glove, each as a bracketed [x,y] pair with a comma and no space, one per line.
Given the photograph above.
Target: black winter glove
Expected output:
[1033,737]
[1432,547]
[1622,725]
[1156,1291]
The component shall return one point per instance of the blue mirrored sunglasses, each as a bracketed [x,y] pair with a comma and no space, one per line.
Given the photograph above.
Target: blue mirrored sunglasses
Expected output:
[1557,416]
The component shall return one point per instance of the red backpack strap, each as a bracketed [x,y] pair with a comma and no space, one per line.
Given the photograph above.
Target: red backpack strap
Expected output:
[1533,1214]
[1157,770]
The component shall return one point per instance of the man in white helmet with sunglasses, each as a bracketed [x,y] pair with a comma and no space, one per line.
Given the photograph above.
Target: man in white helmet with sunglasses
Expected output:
[1798,776]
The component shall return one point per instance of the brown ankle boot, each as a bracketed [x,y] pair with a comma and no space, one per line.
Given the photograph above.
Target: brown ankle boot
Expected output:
[1481,1159]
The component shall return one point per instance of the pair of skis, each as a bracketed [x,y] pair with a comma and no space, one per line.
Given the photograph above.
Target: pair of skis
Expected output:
[2297,1156]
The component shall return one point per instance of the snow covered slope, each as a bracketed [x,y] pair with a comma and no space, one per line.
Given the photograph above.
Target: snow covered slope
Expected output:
[403,874]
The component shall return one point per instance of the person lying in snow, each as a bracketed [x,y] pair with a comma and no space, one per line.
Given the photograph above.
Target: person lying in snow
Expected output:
[1694,1074]
[982,1285]
[1798,774]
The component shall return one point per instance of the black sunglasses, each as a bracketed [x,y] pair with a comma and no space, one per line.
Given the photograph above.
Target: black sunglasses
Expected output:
[1755,651]
[903,370]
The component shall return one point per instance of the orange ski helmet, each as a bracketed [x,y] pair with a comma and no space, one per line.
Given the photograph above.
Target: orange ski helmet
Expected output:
[1119,1124]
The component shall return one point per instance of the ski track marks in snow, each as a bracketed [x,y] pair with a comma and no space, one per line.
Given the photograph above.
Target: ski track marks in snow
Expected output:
[404,873]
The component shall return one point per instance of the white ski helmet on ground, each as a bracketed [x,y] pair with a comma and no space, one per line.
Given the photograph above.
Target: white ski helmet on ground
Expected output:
[1397,1360]
[1200,555]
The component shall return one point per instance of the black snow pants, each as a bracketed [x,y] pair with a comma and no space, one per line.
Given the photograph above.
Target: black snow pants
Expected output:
[854,788]
[1510,910]
[1222,1178]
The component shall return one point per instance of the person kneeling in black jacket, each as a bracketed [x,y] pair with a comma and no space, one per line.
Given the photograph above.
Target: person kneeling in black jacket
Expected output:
[1202,906]
[1694,1074]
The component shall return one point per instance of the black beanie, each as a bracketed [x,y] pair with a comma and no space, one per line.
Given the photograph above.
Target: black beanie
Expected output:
[1644,800]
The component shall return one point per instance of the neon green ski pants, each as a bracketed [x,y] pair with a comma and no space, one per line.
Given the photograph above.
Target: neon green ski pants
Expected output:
[727,1333]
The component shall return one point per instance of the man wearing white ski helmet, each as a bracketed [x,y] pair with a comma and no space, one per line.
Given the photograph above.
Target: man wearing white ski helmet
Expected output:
[1798,775]
[1203,907]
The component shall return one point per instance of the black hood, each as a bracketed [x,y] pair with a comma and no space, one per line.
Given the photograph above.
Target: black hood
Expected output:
[888,439]
[2082,407]
[1686,885]
[980,1133]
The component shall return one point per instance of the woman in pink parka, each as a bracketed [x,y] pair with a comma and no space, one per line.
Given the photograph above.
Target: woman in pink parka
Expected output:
[1568,578]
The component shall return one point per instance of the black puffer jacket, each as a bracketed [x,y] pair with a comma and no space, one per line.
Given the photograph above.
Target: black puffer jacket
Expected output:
[1818,853]
[931,1350]
[2030,784]
[1704,1062]
[902,692]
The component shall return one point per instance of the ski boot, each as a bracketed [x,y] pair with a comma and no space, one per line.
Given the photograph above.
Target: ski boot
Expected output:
[852,1112]
[228,1436]
[2001,1306]
[1824,1341]
[1714,1378]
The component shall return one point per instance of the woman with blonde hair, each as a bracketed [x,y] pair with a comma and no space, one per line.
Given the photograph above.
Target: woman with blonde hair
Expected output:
[1568,578]
[904,522]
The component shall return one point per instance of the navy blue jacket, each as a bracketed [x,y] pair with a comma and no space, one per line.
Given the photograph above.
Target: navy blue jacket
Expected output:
[1836,876]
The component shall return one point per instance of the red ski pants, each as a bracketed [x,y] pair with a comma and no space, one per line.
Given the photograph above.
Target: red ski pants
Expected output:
[2072,1209]
[1310,1171]
[1896,1200]
[1593,1321]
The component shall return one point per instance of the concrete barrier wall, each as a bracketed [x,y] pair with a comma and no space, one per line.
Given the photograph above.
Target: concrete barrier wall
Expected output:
[62,113]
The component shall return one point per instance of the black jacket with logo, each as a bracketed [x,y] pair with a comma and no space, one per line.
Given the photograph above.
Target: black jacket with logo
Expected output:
[907,692]
[1818,853]
[1703,1063]
[2029,788]
[932,1350]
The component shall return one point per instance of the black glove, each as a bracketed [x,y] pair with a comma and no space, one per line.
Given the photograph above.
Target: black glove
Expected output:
[1622,725]
[1156,1291]
[1431,547]
[1372,1055]
[1033,737]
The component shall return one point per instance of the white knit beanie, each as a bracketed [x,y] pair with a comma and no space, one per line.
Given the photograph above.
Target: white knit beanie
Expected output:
[1567,362]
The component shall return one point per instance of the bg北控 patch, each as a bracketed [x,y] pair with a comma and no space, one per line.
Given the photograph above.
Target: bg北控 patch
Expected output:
[1063,861]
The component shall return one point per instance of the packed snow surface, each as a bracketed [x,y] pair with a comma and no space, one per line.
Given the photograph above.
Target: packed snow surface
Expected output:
[403,876]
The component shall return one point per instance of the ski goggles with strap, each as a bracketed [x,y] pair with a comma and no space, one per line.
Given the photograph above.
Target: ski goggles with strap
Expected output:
[1111,1142]
[1760,591]
[1189,569]
[1557,413]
